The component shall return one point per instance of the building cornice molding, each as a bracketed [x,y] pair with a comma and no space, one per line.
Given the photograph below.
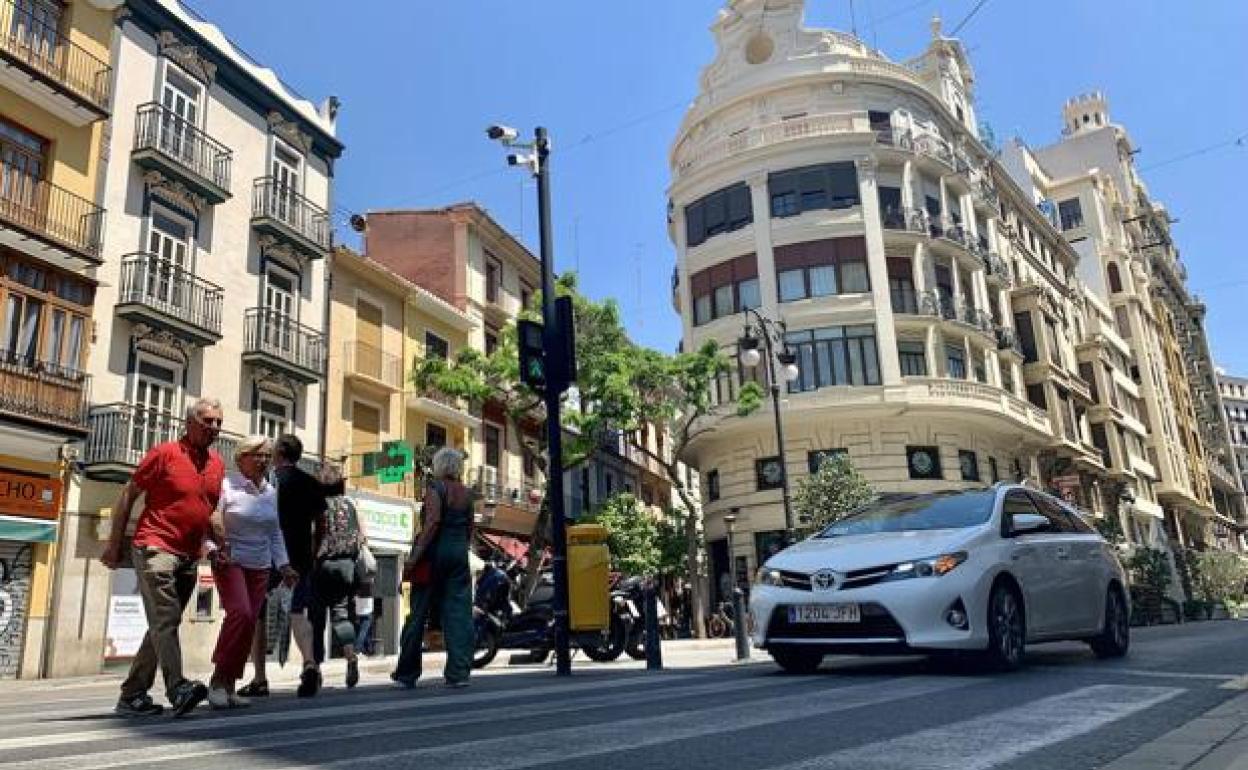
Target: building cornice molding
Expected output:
[289,131]
[186,56]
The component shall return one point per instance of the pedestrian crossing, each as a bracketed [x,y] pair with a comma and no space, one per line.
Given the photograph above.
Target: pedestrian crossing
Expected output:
[747,717]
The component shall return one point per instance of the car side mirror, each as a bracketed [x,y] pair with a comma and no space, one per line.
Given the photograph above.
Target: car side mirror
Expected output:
[1027,523]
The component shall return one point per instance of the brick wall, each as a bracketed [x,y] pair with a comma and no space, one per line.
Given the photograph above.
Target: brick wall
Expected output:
[420,246]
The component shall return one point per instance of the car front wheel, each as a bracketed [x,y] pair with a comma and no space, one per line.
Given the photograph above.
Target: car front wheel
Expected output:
[1115,637]
[1007,632]
[795,660]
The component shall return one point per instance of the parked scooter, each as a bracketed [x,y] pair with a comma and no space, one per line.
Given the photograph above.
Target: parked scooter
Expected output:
[629,597]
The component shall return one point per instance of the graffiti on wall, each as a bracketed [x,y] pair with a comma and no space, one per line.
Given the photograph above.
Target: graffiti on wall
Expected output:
[15,569]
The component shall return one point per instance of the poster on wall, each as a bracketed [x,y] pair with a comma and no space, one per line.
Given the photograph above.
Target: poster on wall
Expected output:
[126,626]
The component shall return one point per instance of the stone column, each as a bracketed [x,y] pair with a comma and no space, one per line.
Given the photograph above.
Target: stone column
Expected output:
[760,200]
[877,268]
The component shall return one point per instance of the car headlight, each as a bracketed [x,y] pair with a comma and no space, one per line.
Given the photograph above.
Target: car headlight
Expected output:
[768,577]
[934,566]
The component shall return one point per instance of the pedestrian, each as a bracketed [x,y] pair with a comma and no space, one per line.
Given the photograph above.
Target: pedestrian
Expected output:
[340,538]
[300,503]
[247,544]
[364,617]
[442,543]
[181,484]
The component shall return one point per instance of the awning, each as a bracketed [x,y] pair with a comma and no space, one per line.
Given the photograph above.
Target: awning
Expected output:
[27,530]
[510,546]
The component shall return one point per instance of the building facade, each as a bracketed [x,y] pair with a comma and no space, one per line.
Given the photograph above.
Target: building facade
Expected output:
[56,84]
[1234,391]
[212,283]
[380,324]
[1096,196]
[931,307]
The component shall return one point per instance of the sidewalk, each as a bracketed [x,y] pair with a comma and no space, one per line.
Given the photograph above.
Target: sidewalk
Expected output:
[1218,740]
[681,653]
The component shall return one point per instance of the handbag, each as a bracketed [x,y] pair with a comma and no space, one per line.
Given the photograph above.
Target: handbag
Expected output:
[365,565]
[419,574]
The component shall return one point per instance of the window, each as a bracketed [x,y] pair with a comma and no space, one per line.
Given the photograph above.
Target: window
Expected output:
[273,416]
[992,469]
[769,472]
[712,485]
[493,277]
[1115,279]
[901,292]
[1026,336]
[22,159]
[36,27]
[830,186]
[822,268]
[725,289]
[913,356]
[436,347]
[917,513]
[955,361]
[834,355]
[815,458]
[1070,213]
[155,393]
[720,212]
[891,214]
[435,435]
[968,463]
[1017,503]
[923,462]
[491,341]
[493,446]
[1035,394]
[1122,322]
[526,295]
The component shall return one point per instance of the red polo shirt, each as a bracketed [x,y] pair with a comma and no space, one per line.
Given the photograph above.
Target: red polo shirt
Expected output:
[182,486]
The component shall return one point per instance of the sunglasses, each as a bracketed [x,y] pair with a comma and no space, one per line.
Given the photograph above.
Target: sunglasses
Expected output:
[210,422]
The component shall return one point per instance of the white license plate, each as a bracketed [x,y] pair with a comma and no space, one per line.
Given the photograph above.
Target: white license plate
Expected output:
[825,613]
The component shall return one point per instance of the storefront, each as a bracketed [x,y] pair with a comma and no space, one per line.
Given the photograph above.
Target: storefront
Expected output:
[30,506]
[389,522]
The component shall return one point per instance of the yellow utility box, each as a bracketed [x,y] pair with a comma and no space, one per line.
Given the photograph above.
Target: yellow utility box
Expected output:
[589,564]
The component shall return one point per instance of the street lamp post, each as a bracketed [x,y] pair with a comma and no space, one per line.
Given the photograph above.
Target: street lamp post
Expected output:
[772,333]
[537,160]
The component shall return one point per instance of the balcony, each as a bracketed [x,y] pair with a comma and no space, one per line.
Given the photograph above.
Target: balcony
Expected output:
[980,320]
[923,303]
[968,398]
[277,341]
[283,213]
[43,395]
[692,156]
[166,142]
[120,434]
[370,367]
[38,62]
[904,220]
[1007,339]
[995,268]
[157,293]
[46,221]
[985,194]
[931,146]
[442,408]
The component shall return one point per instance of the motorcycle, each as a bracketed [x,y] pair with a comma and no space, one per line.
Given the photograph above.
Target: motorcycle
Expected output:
[629,599]
[499,623]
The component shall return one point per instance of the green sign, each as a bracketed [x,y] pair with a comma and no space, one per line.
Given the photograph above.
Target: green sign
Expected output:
[395,460]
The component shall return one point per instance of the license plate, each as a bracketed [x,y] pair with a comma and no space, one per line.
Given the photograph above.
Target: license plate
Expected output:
[825,613]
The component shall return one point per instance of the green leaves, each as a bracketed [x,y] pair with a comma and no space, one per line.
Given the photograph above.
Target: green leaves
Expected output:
[832,491]
[633,535]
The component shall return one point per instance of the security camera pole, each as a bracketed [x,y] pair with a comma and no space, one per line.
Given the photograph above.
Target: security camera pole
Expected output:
[557,372]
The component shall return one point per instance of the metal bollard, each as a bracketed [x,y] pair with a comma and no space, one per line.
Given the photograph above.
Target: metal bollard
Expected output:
[654,650]
[738,624]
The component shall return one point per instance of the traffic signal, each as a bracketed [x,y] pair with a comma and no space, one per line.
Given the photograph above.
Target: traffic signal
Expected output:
[532,358]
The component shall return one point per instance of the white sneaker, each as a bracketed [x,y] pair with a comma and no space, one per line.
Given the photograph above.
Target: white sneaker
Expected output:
[218,698]
[238,701]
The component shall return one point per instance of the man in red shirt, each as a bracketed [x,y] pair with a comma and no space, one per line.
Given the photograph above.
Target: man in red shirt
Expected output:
[181,481]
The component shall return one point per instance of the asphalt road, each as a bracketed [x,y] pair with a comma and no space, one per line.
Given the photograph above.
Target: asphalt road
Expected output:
[1065,710]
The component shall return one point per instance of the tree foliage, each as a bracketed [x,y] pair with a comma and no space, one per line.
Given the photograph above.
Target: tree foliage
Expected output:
[632,535]
[1217,576]
[832,491]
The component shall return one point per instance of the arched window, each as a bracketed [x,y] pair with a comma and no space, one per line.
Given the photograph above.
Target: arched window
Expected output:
[1115,280]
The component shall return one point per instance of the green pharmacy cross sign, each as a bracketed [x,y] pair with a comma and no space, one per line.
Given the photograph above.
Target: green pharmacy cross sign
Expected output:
[395,460]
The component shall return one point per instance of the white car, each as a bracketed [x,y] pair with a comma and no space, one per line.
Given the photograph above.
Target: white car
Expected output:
[984,570]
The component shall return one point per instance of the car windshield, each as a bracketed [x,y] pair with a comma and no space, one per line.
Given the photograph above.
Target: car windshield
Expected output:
[949,510]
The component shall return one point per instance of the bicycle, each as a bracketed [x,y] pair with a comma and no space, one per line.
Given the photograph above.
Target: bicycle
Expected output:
[721,624]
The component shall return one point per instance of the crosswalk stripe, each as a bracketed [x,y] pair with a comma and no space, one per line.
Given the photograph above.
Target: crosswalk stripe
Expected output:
[998,737]
[406,724]
[302,713]
[535,749]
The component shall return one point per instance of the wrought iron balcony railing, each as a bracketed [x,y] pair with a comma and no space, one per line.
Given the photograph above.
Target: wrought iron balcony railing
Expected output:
[151,281]
[908,220]
[121,433]
[50,213]
[31,39]
[174,137]
[272,200]
[46,393]
[362,359]
[280,337]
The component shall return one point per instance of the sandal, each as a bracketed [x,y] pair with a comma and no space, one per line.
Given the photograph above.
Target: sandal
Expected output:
[255,689]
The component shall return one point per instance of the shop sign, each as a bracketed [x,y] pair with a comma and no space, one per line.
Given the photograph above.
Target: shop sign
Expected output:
[387,524]
[37,497]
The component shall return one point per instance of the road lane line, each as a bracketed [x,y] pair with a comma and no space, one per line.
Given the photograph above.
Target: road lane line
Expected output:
[407,724]
[535,749]
[997,737]
[156,727]
[1139,672]
[1237,683]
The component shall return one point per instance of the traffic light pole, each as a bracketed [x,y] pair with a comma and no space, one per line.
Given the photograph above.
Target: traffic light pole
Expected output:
[553,347]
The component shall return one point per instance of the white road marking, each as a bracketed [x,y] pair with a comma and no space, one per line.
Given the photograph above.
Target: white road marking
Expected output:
[1140,672]
[997,737]
[1237,683]
[536,749]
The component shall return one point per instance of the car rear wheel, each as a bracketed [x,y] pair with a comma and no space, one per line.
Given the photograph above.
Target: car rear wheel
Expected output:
[1007,631]
[795,660]
[1115,637]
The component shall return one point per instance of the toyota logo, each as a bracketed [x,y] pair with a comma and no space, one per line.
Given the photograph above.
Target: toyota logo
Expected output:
[823,580]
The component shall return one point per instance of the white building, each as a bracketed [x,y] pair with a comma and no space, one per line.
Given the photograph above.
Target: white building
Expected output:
[851,197]
[217,189]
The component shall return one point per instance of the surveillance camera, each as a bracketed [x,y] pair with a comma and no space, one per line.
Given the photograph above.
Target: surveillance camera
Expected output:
[504,134]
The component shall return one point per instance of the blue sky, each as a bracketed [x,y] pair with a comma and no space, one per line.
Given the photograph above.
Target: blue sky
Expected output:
[420,80]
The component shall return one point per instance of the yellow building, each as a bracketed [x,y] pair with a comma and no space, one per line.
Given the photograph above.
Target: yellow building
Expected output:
[55,81]
[380,325]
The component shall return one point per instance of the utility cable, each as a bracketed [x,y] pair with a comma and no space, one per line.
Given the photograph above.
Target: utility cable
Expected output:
[1238,141]
[968,17]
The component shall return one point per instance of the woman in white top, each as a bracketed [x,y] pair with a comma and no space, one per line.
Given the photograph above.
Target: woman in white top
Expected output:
[247,543]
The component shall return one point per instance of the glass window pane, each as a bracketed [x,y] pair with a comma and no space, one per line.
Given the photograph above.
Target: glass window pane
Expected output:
[856,365]
[56,332]
[747,294]
[792,285]
[73,346]
[28,340]
[854,277]
[872,361]
[723,301]
[840,376]
[824,358]
[822,281]
[12,312]
[702,309]
[806,366]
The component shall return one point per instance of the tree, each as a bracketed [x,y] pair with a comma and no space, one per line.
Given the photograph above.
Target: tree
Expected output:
[833,490]
[632,535]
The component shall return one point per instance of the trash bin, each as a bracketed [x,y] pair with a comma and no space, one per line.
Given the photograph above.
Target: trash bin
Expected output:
[589,562]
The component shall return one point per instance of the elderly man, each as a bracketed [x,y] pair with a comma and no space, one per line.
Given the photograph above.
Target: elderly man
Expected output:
[181,482]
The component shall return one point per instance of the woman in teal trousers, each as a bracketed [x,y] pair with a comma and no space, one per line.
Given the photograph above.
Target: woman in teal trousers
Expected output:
[445,534]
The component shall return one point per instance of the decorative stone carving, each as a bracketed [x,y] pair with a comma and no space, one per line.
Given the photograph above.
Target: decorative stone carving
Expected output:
[289,130]
[162,343]
[866,166]
[275,382]
[272,247]
[174,192]
[187,56]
